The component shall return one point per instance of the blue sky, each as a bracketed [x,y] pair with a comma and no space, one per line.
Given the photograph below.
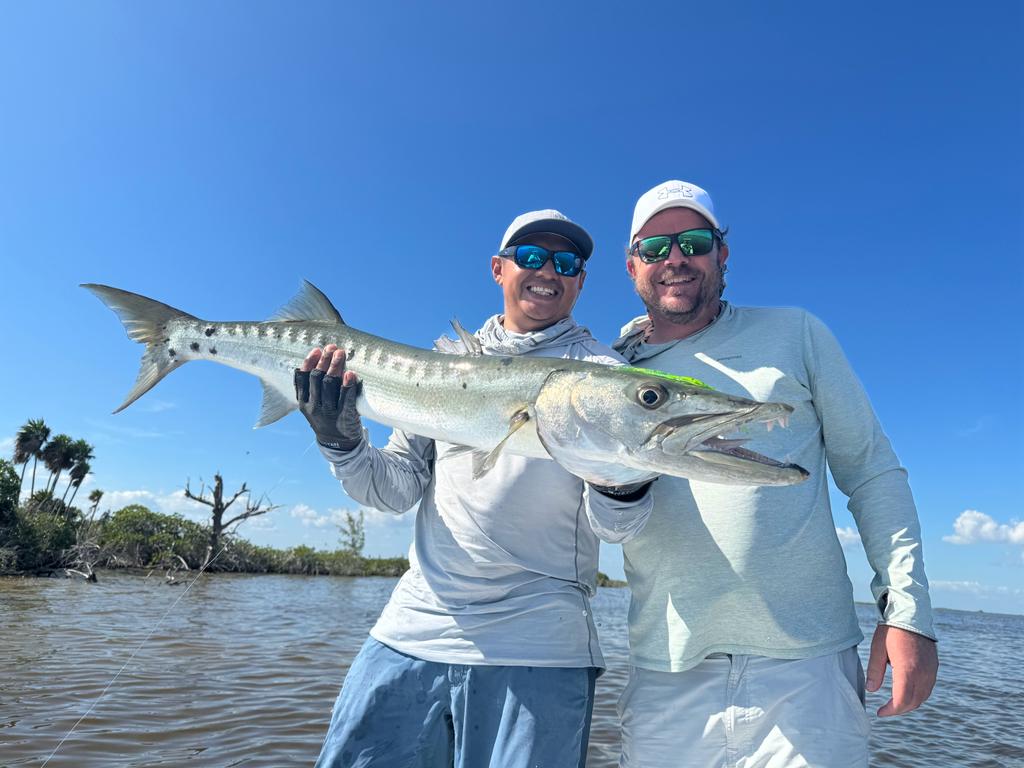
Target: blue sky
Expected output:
[866,157]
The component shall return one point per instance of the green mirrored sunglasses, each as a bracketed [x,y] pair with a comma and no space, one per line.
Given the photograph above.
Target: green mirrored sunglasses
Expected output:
[692,242]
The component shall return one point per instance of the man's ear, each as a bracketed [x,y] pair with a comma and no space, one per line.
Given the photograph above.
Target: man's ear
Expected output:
[630,267]
[723,254]
[583,278]
[496,264]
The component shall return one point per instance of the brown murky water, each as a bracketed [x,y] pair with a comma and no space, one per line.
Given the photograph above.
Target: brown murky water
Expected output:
[243,671]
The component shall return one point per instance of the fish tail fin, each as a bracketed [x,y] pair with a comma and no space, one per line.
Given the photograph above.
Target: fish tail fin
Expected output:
[145,321]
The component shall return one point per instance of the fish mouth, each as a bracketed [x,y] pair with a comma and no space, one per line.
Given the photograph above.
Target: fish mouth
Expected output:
[717,450]
[704,436]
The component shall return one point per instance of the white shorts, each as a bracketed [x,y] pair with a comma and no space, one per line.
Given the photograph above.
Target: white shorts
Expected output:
[734,711]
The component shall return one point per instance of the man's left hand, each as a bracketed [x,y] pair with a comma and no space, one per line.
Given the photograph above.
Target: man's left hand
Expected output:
[914,661]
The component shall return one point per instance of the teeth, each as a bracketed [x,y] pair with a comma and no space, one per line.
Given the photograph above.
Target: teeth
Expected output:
[539,290]
[782,421]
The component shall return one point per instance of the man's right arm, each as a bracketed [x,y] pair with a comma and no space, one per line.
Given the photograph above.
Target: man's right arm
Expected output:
[391,479]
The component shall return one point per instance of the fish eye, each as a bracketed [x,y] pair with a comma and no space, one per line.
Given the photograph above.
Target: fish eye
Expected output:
[651,395]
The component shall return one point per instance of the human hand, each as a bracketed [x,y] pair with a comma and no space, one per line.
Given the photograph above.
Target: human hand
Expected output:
[327,395]
[915,663]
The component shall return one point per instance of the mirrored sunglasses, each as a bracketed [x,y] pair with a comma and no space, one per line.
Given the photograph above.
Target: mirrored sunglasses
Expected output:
[566,263]
[692,242]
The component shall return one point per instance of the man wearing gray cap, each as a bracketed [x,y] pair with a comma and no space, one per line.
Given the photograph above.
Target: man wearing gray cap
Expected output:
[743,634]
[486,653]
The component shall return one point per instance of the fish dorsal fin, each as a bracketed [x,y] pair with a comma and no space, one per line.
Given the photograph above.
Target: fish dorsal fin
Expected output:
[473,348]
[466,344]
[308,304]
[275,405]
[484,464]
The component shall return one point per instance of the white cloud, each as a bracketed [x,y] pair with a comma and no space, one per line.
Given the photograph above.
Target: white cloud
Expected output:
[176,503]
[167,504]
[972,527]
[377,517]
[975,588]
[308,516]
[336,517]
[7,447]
[156,406]
[848,536]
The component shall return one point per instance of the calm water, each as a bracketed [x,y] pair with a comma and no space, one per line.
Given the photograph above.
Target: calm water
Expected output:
[244,670]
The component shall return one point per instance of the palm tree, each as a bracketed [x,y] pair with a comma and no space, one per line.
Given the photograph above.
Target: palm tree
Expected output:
[94,496]
[81,453]
[78,473]
[29,445]
[57,457]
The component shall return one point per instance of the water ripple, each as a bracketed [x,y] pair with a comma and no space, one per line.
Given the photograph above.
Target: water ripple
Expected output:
[245,669]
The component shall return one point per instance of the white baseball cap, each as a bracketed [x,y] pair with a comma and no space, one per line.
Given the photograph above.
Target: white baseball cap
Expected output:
[672,194]
[549,220]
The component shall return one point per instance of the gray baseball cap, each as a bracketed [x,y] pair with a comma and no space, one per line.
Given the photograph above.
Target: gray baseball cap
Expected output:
[549,220]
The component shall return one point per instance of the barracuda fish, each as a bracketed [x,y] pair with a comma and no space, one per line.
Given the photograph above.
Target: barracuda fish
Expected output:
[609,425]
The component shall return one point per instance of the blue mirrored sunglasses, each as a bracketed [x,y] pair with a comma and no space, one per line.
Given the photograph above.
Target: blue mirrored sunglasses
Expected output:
[567,263]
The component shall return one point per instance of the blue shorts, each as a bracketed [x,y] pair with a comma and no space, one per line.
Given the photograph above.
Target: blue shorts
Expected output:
[402,712]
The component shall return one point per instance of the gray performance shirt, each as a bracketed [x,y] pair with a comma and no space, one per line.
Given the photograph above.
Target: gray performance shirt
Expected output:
[502,568]
[760,570]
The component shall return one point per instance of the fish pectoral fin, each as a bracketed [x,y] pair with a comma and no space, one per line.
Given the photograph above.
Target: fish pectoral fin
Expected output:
[482,466]
[309,303]
[275,405]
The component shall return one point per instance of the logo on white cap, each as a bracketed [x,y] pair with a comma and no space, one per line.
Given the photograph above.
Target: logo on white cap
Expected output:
[681,190]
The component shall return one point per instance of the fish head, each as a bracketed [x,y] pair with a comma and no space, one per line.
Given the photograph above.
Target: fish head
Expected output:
[621,425]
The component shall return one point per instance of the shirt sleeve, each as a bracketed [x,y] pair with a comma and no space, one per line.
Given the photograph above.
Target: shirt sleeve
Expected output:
[614,520]
[866,469]
[391,479]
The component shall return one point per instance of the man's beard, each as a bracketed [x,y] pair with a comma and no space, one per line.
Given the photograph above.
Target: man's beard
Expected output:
[711,289]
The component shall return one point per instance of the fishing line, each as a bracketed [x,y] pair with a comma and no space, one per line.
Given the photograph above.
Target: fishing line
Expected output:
[137,649]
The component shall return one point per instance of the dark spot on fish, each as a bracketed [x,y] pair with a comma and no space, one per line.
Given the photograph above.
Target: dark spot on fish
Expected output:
[194,346]
[506,361]
[351,354]
[463,385]
[210,331]
[171,352]
[213,350]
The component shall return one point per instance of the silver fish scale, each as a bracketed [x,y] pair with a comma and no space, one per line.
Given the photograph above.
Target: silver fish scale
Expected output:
[457,399]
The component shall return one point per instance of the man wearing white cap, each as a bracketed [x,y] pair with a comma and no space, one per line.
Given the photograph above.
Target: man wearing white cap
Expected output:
[743,634]
[486,654]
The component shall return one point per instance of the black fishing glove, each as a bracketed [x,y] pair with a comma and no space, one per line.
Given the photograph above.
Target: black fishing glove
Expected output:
[330,408]
[632,492]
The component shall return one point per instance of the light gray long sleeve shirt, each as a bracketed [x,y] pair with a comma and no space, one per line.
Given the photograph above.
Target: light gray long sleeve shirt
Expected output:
[502,568]
[760,570]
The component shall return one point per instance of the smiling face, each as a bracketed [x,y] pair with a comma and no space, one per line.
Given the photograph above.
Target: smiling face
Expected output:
[682,292]
[536,298]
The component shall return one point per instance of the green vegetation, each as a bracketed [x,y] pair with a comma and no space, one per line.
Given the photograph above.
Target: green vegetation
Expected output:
[38,541]
[44,533]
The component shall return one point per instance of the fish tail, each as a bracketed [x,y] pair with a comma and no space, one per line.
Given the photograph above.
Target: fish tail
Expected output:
[145,321]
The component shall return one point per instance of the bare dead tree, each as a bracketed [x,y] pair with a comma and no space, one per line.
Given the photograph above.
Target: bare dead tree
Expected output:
[218,506]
